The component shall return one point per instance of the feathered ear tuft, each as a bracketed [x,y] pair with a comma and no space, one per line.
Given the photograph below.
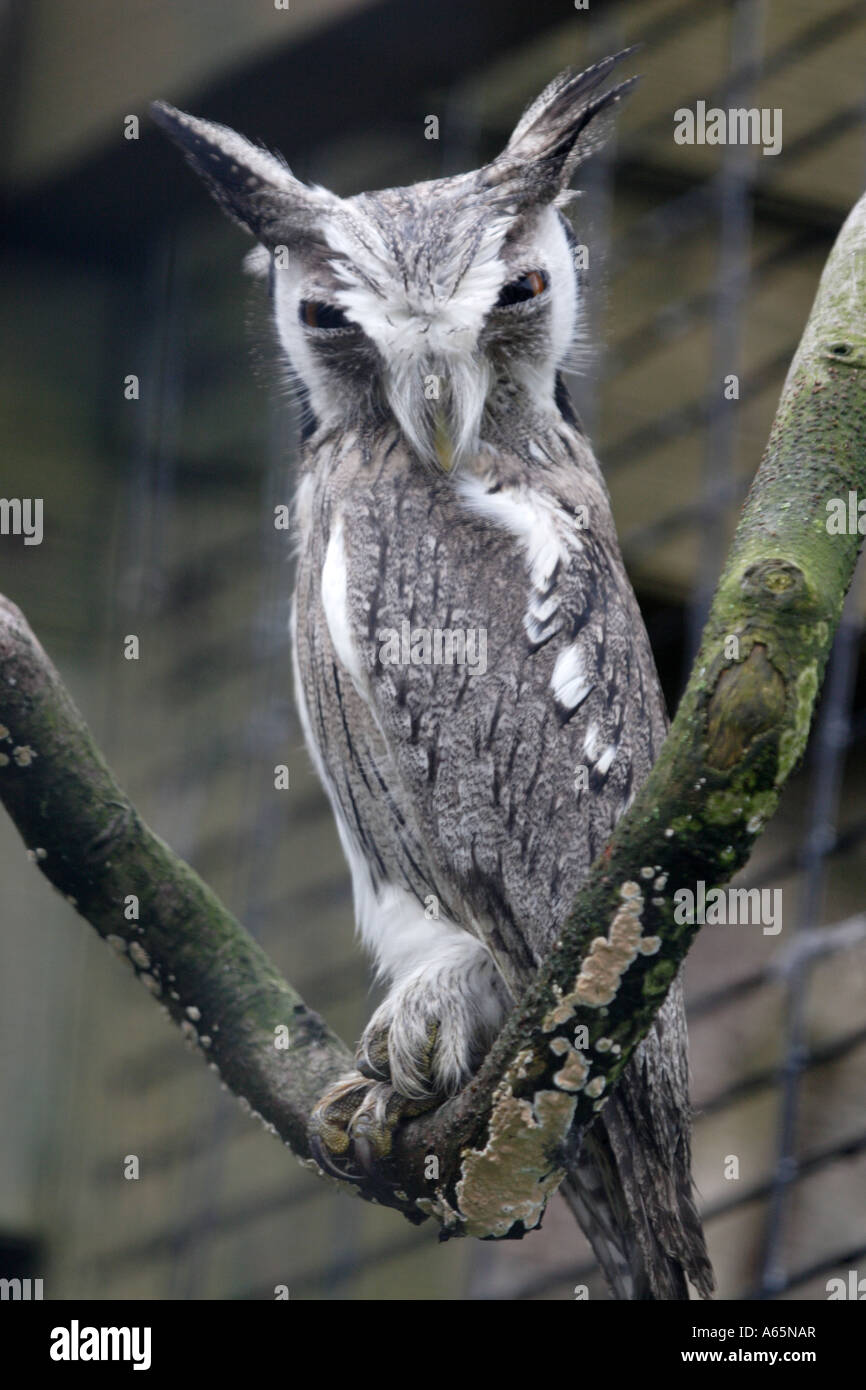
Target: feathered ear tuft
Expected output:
[567,123]
[255,188]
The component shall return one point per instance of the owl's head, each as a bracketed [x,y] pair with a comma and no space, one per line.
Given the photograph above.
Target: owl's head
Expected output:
[432,305]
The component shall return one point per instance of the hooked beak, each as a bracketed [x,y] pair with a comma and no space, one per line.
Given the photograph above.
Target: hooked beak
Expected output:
[439,405]
[443,444]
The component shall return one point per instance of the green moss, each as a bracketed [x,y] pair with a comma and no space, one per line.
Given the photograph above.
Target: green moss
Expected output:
[793,740]
[725,807]
[658,978]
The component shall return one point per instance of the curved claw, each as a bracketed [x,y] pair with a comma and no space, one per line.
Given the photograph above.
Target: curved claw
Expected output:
[352,1130]
[327,1164]
[362,1150]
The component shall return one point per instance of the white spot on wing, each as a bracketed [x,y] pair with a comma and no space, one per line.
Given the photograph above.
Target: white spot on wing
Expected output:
[544,531]
[607,757]
[568,682]
[590,743]
[336,605]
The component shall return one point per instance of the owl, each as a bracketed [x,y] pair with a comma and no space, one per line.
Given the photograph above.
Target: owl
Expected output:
[472,673]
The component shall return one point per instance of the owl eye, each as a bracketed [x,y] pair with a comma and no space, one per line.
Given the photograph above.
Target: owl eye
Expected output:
[527,286]
[314,314]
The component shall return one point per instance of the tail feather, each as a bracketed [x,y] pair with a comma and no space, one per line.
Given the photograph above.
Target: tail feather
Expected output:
[631,1188]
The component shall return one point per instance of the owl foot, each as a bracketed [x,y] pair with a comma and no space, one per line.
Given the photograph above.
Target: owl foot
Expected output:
[352,1127]
[430,1033]
[422,1044]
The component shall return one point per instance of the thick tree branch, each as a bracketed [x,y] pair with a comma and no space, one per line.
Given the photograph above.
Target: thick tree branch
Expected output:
[501,1145]
[188,950]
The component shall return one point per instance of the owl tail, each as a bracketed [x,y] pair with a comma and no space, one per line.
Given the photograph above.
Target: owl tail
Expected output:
[631,1187]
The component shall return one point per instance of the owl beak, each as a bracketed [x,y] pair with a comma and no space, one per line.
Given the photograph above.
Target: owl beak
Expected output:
[442,442]
[442,428]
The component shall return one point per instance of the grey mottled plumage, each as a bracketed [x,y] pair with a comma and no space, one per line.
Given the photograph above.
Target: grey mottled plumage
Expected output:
[447,488]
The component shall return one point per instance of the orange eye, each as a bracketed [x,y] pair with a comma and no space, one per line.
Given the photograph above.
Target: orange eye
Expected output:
[527,286]
[317,315]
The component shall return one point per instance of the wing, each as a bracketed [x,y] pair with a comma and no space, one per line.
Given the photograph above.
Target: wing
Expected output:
[501,681]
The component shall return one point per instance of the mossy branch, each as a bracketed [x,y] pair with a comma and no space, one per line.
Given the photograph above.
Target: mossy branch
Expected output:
[88,839]
[502,1144]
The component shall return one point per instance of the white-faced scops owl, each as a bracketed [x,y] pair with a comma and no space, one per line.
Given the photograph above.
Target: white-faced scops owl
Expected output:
[465,636]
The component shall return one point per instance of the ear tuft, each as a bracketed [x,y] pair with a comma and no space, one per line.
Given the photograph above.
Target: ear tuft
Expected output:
[566,124]
[254,187]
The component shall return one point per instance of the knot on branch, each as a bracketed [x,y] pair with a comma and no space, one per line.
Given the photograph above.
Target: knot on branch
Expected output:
[845,353]
[747,702]
[780,580]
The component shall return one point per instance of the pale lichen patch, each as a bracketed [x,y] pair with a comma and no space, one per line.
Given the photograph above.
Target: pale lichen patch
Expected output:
[562,1012]
[648,945]
[520,1069]
[609,957]
[441,1209]
[193,1013]
[500,1184]
[117,943]
[604,1045]
[595,1087]
[559,1015]
[573,1073]
[139,955]
[23,755]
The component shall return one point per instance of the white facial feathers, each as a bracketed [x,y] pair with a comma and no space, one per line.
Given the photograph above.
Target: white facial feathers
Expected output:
[424,311]
[430,299]
[416,272]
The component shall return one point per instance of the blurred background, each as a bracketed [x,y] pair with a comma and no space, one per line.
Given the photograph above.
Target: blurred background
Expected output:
[159,522]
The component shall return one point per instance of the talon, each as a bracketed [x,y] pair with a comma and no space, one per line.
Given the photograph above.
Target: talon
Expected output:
[368,1069]
[363,1151]
[372,1058]
[326,1163]
[352,1130]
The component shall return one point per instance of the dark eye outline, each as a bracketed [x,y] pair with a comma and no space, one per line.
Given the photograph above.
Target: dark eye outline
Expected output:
[327,318]
[531,285]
